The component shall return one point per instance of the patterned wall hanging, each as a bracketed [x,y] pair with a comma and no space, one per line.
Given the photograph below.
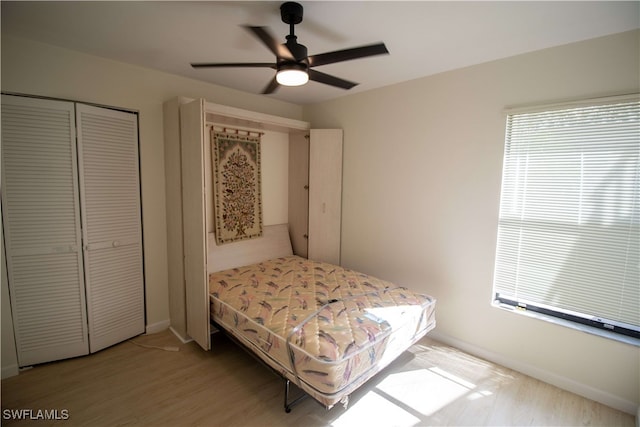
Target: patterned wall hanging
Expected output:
[237,187]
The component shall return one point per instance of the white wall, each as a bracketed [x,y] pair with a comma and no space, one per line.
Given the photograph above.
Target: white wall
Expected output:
[39,69]
[421,189]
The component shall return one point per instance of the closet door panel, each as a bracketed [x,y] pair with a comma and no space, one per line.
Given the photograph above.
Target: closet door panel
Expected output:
[41,216]
[110,197]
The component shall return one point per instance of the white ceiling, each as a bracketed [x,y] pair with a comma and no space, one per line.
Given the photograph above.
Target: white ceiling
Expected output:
[423,37]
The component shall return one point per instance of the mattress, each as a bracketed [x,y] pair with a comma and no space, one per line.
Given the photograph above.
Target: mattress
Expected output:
[327,328]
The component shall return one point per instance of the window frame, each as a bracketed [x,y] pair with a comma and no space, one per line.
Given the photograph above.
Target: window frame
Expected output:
[586,323]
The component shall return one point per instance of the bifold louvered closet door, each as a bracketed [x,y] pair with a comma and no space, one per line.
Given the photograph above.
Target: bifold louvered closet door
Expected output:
[54,191]
[112,234]
[41,219]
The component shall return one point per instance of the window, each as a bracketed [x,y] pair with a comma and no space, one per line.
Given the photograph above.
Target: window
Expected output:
[569,226]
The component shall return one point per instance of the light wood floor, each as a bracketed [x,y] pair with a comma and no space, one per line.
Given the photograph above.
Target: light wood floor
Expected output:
[431,384]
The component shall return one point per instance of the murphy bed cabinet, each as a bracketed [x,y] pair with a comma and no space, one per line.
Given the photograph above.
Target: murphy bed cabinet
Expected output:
[314,199]
[72,227]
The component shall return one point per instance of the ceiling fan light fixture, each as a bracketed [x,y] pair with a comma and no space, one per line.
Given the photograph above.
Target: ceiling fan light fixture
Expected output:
[292,75]
[293,64]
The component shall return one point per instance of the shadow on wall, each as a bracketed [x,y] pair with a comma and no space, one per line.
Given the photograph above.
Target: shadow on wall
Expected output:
[594,258]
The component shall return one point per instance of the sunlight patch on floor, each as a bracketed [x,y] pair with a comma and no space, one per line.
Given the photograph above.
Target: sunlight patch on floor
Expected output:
[405,398]
[479,394]
[374,410]
[425,390]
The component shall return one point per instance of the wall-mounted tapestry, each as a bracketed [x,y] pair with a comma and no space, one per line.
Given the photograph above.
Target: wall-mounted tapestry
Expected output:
[237,188]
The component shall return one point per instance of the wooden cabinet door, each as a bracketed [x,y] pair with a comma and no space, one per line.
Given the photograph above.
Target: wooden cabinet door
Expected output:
[325,195]
[194,222]
[299,193]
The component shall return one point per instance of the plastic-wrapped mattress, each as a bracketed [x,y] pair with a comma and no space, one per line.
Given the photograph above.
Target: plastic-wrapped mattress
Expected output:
[327,328]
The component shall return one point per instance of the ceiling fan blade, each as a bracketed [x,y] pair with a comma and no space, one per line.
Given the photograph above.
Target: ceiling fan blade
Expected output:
[347,54]
[233,64]
[279,50]
[330,80]
[271,87]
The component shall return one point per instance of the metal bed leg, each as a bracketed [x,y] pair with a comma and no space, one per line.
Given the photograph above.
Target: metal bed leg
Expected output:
[288,405]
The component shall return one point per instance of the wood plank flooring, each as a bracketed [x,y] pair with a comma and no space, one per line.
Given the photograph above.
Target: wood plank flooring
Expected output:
[431,384]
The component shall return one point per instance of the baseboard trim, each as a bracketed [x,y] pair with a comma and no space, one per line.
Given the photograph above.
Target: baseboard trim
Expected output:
[184,340]
[9,371]
[154,328]
[542,375]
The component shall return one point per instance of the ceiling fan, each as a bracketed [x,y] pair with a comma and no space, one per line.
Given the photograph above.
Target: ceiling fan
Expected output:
[294,67]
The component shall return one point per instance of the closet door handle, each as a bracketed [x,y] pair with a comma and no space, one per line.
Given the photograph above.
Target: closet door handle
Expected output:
[116,243]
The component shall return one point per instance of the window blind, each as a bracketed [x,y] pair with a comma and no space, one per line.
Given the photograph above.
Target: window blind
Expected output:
[569,225]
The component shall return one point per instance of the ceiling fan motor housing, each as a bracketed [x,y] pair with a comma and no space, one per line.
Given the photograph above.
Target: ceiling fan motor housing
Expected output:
[291,13]
[299,51]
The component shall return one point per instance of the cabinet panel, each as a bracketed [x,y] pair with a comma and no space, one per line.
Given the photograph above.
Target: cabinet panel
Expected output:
[194,222]
[41,216]
[325,195]
[173,194]
[299,193]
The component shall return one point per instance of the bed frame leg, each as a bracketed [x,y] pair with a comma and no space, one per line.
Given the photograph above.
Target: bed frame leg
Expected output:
[288,405]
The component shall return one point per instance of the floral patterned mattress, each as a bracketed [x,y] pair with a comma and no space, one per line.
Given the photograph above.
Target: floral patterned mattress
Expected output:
[327,328]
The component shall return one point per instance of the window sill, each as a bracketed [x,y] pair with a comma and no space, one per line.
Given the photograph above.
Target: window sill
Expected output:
[573,325]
